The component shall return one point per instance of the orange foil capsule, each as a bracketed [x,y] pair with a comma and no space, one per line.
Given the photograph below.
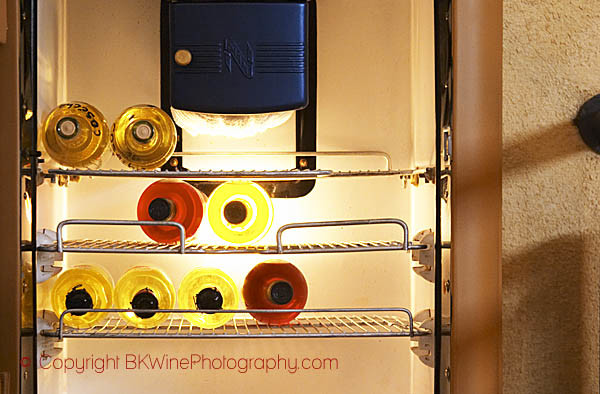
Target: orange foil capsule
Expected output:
[275,284]
[171,201]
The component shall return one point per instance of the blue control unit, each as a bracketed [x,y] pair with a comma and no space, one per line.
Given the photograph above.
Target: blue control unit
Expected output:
[238,57]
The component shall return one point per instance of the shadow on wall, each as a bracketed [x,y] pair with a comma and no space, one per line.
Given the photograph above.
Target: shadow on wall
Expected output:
[543,317]
[546,144]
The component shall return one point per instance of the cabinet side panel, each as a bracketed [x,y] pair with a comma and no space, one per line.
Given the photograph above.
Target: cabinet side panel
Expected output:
[3,22]
[9,199]
[477,198]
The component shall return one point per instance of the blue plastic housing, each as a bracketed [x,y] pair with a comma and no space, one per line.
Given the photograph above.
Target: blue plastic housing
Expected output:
[247,57]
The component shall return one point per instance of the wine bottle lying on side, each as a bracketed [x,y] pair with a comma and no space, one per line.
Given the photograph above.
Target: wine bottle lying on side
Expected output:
[173,201]
[240,212]
[275,284]
[208,288]
[144,288]
[143,137]
[82,287]
[75,135]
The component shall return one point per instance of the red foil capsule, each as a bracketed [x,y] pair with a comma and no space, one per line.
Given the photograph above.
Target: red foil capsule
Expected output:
[172,201]
[275,284]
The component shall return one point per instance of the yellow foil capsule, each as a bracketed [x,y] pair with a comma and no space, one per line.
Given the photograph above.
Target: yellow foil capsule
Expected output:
[240,212]
[208,288]
[143,137]
[75,134]
[144,288]
[82,287]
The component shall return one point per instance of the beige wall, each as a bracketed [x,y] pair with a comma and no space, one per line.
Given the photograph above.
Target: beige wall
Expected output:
[551,196]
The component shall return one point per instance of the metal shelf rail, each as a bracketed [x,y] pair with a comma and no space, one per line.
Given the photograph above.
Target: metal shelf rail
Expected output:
[312,323]
[191,247]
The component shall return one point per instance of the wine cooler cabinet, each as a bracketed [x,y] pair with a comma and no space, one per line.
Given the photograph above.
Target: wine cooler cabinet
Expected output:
[259,179]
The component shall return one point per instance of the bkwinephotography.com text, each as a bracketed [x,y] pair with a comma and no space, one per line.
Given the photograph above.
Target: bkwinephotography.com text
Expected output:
[99,364]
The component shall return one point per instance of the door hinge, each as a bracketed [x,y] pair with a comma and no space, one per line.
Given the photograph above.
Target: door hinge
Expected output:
[447,132]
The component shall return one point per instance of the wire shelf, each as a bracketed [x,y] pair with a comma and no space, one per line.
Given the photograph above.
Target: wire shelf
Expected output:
[285,174]
[192,247]
[293,174]
[312,323]
[115,246]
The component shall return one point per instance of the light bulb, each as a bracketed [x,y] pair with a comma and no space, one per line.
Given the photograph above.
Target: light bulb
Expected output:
[231,125]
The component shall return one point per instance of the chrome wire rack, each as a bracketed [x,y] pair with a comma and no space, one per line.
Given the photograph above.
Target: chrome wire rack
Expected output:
[286,174]
[191,247]
[312,323]
[115,246]
[293,174]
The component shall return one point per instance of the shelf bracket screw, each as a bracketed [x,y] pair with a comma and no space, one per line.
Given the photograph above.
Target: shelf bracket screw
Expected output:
[447,373]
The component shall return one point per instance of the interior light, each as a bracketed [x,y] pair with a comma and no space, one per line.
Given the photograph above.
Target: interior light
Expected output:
[234,125]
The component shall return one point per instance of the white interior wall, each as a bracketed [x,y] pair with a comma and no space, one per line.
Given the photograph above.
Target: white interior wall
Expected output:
[375,93]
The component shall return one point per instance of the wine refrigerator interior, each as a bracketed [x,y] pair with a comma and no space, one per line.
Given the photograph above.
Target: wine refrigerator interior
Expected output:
[246,196]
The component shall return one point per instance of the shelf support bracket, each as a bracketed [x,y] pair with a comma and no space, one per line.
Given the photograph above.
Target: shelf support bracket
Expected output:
[47,347]
[422,347]
[424,258]
[46,261]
